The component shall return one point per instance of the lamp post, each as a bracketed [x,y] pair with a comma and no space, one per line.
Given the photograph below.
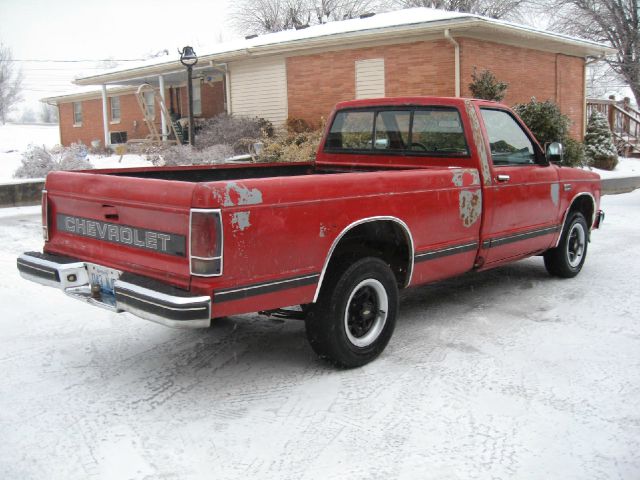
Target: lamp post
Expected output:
[188,58]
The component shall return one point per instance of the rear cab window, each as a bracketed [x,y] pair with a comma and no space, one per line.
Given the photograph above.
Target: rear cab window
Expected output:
[415,131]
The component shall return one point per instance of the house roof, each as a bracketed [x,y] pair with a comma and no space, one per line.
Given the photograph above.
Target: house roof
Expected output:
[418,23]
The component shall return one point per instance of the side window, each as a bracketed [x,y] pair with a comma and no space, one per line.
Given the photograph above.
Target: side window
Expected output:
[149,103]
[197,97]
[351,131]
[77,113]
[438,131]
[115,109]
[392,130]
[509,144]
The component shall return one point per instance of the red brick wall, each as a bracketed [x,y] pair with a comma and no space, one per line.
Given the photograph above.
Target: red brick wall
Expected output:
[571,92]
[212,99]
[529,73]
[131,119]
[317,82]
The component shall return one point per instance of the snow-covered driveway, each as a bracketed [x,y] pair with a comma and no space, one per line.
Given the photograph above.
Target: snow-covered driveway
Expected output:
[507,374]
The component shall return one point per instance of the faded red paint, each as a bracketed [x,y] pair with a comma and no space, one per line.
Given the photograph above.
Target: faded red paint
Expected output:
[281,227]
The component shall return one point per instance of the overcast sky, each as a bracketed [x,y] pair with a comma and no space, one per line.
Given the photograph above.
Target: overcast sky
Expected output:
[100,29]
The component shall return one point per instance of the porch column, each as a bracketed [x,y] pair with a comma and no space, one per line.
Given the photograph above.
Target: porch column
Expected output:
[105,116]
[164,120]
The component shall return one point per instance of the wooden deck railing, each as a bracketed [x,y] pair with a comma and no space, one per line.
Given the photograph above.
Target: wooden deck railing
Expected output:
[624,122]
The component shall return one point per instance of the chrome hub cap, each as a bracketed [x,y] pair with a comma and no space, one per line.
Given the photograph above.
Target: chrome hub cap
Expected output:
[366,313]
[576,244]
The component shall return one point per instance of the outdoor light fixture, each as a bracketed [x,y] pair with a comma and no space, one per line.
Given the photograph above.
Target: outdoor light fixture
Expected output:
[189,58]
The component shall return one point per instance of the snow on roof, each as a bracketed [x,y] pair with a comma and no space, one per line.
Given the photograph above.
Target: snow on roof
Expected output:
[379,22]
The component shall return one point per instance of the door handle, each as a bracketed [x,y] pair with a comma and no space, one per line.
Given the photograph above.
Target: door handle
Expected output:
[503,178]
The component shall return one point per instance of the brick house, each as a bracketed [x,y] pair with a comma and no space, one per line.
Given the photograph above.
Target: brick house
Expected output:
[301,74]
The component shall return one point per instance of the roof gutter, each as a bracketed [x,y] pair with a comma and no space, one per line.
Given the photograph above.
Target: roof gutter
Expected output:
[456,48]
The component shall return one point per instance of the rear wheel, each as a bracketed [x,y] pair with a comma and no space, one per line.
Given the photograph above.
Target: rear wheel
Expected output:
[355,315]
[567,259]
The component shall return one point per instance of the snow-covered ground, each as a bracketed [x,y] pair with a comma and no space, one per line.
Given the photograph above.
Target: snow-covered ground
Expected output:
[627,167]
[506,374]
[15,139]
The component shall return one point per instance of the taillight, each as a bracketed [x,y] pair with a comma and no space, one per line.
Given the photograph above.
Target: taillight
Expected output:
[45,216]
[205,246]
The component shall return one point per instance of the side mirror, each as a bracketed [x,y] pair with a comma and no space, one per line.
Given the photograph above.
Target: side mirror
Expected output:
[555,152]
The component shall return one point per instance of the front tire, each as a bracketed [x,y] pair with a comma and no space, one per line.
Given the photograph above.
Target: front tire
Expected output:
[567,259]
[355,315]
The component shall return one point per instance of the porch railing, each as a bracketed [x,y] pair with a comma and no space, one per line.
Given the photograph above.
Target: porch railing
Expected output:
[624,122]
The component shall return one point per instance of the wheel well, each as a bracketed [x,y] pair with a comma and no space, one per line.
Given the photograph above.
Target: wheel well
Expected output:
[585,205]
[385,239]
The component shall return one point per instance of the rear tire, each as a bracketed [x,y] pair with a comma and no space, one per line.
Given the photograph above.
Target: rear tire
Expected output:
[355,315]
[567,259]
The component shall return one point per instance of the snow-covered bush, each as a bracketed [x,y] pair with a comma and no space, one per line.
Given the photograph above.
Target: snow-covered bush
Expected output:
[236,131]
[186,155]
[545,120]
[600,150]
[486,86]
[574,153]
[548,124]
[38,161]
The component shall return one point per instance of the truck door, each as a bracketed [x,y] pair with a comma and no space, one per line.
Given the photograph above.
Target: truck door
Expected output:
[522,201]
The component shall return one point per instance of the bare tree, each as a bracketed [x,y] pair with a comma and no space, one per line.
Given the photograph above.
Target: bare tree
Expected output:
[48,113]
[267,16]
[10,82]
[616,22]
[489,8]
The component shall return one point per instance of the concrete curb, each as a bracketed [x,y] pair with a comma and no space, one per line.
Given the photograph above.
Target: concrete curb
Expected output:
[614,186]
[29,192]
[21,194]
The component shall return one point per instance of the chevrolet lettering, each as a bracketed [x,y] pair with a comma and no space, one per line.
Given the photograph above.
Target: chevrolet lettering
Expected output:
[134,237]
[402,192]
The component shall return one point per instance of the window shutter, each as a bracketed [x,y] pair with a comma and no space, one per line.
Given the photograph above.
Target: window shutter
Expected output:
[370,78]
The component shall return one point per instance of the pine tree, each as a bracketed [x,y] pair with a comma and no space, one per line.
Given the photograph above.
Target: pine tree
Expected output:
[599,148]
[486,86]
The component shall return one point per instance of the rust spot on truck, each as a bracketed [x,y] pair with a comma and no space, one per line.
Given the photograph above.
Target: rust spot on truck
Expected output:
[236,194]
[470,206]
[478,139]
[240,221]
[473,177]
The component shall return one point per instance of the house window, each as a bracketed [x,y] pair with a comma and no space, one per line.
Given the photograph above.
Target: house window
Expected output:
[77,113]
[115,109]
[370,78]
[150,104]
[197,97]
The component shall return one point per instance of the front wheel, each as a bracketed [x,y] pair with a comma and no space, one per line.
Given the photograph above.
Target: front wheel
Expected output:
[567,258]
[355,315]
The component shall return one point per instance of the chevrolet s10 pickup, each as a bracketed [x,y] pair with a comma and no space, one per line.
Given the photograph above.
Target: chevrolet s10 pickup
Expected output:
[403,192]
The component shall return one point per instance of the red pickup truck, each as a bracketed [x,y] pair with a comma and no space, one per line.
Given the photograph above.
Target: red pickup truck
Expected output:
[403,192]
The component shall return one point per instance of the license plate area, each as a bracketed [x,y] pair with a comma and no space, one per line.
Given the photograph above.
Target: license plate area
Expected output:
[102,277]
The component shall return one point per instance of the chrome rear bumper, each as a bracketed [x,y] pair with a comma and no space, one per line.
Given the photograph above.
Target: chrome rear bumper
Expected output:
[140,296]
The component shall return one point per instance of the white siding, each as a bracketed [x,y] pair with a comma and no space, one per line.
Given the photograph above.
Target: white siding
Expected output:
[370,78]
[259,88]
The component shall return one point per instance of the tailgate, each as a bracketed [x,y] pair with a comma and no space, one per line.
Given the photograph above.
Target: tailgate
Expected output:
[131,224]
